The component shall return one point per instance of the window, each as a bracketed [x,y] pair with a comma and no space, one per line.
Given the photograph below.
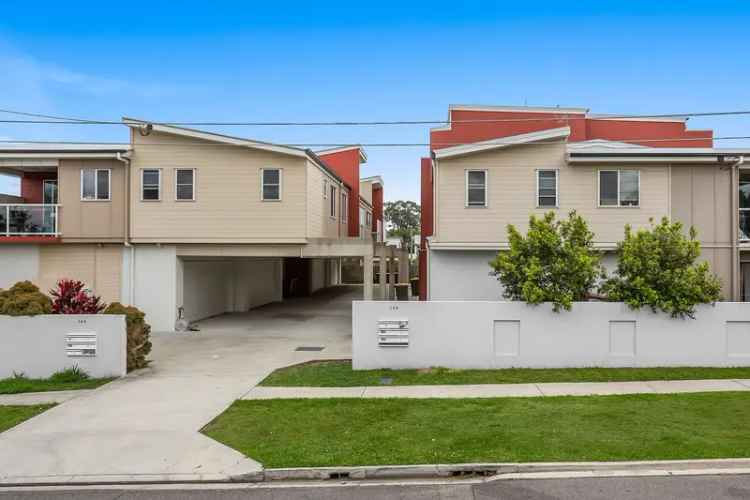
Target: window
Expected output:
[325,188]
[546,188]
[95,184]
[184,184]
[150,184]
[619,188]
[361,222]
[271,187]
[476,188]
[369,220]
[333,201]
[344,207]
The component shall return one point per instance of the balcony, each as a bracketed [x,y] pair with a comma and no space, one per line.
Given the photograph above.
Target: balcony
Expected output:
[29,219]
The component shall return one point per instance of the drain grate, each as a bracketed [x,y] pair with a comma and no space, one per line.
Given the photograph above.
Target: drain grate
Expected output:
[309,348]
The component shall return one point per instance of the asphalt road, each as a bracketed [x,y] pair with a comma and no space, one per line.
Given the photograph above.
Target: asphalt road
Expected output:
[729,487]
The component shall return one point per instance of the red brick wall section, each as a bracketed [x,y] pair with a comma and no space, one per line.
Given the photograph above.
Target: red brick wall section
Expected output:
[479,126]
[32,187]
[426,222]
[346,165]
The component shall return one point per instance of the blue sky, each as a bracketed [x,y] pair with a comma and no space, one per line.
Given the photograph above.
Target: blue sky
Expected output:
[316,61]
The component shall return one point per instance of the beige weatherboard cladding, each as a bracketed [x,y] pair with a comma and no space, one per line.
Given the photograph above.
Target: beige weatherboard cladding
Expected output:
[228,206]
[511,195]
[91,220]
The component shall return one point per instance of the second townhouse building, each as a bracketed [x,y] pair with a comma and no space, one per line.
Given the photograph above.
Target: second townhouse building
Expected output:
[182,221]
[493,166]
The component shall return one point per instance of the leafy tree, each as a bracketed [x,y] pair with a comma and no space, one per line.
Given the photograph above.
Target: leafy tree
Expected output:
[555,262]
[657,268]
[402,218]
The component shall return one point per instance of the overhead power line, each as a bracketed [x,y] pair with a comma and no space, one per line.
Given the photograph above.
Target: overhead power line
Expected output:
[206,144]
[62,120]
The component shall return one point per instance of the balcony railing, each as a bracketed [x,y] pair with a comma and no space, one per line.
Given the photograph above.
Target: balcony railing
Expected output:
[29,219]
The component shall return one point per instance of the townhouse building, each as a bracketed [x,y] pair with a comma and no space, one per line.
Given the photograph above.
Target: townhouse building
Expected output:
[183,221]
[493,166]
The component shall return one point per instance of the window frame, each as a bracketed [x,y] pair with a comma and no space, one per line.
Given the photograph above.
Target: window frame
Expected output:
[486,187]
[281,184]
[557,187]
[325,189]
[344,209]
[159,185]
[619,201]
[332,201]
[96,184]
[176,171]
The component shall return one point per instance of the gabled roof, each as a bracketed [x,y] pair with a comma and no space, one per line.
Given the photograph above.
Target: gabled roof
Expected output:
[375,179]
[322,164]
[502,142]
[213,137]
[362,155]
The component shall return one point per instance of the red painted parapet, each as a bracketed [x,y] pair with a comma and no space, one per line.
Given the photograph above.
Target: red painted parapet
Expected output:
[474,125]
[345,162]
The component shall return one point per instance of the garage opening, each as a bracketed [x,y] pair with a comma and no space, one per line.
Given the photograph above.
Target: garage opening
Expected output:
[210,286]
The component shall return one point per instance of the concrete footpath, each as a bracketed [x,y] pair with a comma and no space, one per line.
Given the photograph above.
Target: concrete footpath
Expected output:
[502,390]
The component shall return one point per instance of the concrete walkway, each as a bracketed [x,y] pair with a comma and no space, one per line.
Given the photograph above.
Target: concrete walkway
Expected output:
[40,398]
[146,426]
[501,390]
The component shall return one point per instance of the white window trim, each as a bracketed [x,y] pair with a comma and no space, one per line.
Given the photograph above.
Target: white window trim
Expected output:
[281,184]
[557,187]
[96,185]
[143,170]
[195,173]
[332,202]
[486,187]
[599,188]
[325,189]
[344,209]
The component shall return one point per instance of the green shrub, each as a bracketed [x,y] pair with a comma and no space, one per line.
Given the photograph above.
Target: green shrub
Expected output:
[24,299]
[139,333]
[555,262]
[658,268]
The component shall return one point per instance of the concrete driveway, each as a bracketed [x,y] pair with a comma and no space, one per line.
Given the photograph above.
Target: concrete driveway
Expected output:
[147,424]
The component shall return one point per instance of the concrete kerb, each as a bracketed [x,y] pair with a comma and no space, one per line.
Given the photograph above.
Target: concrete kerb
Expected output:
[508,470]
[486,471]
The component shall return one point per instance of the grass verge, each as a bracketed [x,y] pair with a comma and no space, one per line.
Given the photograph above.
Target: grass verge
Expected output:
[10,416]
[340,374]
[66,380]
[338,432]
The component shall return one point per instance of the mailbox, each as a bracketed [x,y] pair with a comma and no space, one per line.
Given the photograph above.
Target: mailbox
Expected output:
[80,345]
[393,333]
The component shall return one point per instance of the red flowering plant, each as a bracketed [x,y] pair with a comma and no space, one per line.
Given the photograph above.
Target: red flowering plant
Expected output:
[72,297]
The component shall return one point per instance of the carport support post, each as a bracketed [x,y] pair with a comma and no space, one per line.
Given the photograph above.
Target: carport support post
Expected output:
[403,266]
[383,255]
[368,263]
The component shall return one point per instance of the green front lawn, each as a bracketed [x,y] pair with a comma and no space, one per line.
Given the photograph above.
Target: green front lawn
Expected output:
[340,374]
[338,432]
[66,380]
[10,416]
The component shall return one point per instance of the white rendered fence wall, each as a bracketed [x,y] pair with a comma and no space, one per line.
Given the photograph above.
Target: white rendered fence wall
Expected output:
[474,334]
[39,346]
